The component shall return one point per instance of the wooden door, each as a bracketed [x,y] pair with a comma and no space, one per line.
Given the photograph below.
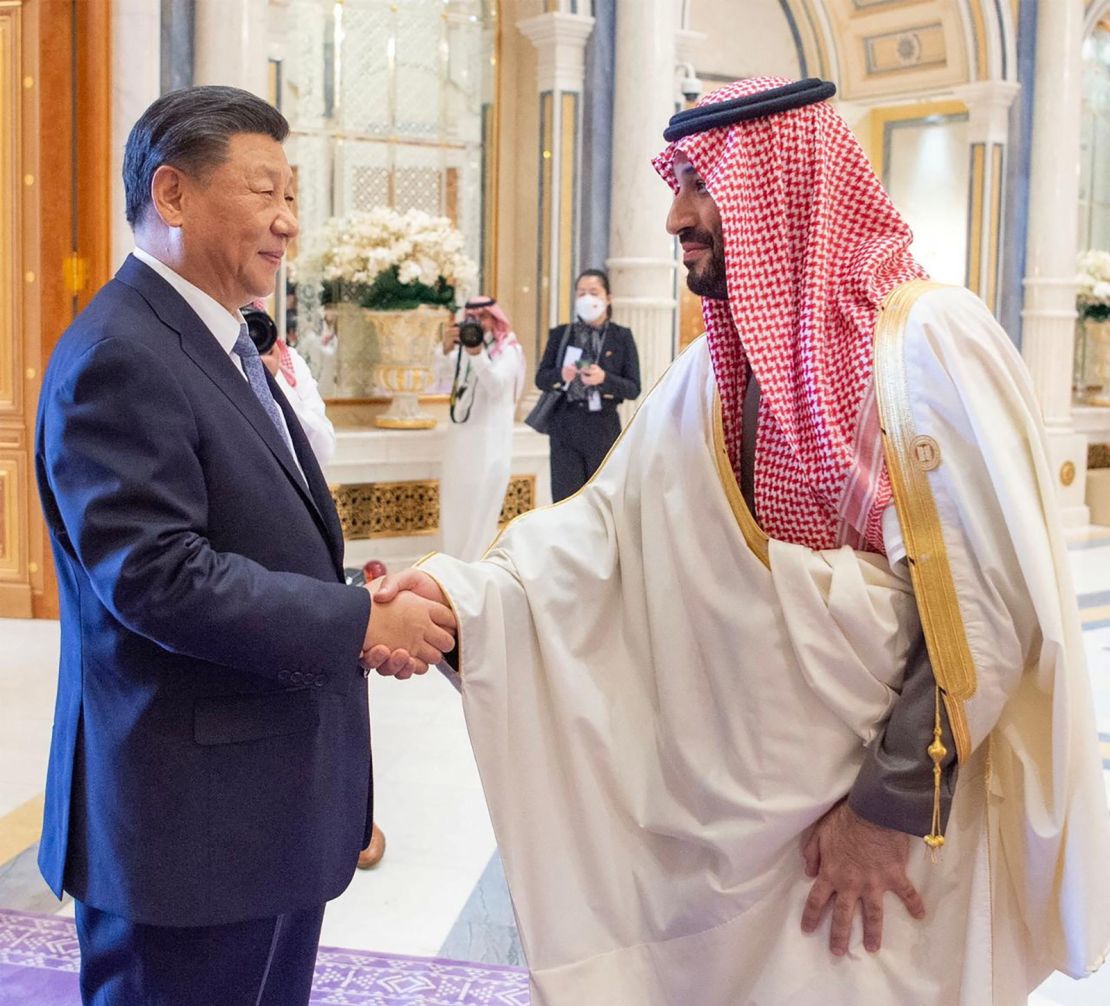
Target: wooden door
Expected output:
[54,244]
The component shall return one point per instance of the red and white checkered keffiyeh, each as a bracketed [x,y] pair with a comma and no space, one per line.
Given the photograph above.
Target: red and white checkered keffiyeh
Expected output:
[812,246]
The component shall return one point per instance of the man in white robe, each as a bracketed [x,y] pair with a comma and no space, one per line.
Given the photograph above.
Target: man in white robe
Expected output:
[690,687]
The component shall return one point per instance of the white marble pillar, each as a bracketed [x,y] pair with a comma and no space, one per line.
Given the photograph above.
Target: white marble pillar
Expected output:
[560,39]
[136,76]
[231,44]
[642,255]
[1048,319]
[988,106]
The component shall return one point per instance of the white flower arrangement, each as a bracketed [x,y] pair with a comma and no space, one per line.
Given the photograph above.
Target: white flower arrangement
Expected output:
[1094,285]
[390,261]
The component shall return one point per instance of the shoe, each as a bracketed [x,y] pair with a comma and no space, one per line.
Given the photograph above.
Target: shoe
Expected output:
[371,856]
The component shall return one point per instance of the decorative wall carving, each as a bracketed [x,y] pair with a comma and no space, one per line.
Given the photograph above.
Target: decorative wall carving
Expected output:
[1098,456]
[387,509]
[906,50]
[406,509]
[520,497]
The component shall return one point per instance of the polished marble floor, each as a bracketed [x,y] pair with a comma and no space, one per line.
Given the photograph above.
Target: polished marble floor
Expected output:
[440,891]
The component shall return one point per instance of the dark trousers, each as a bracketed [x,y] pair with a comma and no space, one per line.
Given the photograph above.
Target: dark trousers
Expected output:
[263,962]
[580,439]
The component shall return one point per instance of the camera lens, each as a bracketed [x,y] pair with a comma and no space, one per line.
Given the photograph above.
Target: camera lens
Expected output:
[261,328]
[470,333]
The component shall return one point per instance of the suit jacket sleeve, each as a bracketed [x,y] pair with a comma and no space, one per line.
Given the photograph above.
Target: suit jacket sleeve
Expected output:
[120,469]
[549,376]
[894,787]
[625,385]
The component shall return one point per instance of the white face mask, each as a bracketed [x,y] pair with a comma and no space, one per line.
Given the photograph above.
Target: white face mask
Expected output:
[590,308]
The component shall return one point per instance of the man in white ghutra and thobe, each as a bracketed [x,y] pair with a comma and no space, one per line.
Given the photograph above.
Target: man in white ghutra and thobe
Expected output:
[816,602]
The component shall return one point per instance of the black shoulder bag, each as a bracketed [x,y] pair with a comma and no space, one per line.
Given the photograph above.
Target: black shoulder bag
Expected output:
[543,411]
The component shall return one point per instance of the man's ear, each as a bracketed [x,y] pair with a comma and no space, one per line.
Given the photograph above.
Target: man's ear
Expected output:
[167,194]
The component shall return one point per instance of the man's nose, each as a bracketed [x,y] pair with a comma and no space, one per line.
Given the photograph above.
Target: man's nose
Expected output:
[286,224]
[680,216]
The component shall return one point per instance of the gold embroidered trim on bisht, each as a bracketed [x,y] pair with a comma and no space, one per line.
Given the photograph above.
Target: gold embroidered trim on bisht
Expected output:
[930,572]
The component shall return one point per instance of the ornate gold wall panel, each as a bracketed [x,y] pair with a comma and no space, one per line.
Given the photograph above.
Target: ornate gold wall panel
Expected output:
[387,509]
[520,497]
[405,509]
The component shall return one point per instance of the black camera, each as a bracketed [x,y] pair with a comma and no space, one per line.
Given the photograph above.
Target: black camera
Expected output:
[471,334]
[261,328]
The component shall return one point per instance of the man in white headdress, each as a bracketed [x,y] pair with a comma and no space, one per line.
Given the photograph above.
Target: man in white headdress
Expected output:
[712,696]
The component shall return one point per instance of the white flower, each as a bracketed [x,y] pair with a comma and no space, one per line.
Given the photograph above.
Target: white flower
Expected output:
[357,248]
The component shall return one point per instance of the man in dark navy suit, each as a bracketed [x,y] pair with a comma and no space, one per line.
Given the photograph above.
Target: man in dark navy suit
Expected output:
[209,785]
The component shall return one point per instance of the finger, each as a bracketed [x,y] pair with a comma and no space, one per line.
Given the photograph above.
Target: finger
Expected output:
[442,616]
[873,920]
[397,661]
[428,653]
[844,907]
[818,899]
[405,672]
[441,639]
[418,667]
[373,658]
[811,853]
[910,898]
[383,591]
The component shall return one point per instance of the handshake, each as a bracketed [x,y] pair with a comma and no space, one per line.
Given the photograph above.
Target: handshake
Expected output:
[411,625]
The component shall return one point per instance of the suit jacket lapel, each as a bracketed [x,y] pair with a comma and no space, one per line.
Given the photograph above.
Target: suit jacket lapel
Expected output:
[203,349]
[317,484]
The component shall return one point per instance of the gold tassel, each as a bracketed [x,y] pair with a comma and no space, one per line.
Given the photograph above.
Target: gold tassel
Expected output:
[937,752]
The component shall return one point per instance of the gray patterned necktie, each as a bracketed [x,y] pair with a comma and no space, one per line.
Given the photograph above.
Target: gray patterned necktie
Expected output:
[253,367]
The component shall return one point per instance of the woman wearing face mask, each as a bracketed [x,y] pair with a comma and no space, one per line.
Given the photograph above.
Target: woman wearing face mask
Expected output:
[486,382]
[594,363]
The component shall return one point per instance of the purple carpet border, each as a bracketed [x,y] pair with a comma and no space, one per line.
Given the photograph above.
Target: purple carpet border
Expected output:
[40,959]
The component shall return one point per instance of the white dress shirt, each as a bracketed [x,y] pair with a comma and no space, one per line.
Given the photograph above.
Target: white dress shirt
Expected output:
[223,325]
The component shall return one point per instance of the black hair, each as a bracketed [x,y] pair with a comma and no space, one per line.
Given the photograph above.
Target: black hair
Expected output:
[190,129]
[603,276]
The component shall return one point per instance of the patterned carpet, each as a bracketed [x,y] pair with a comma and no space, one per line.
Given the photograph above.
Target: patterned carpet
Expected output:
[39,963]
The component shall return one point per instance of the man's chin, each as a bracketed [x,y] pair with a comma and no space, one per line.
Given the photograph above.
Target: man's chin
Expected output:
[706,286]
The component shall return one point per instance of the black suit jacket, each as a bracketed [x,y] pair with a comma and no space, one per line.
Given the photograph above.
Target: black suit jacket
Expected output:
[619,360]
[210,757]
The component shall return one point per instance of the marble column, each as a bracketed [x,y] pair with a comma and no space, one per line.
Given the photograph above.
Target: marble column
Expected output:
[642,255]
[1048,319]
[560,38]
[988,105]
[231,44]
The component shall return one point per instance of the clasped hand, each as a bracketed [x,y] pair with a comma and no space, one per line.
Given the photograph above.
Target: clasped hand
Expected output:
[411,625]
[591,375]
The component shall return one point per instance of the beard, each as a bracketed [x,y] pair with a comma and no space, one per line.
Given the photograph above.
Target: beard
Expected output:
[707,278]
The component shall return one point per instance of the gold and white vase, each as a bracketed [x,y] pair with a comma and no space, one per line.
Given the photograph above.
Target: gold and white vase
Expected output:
[1092,362]
[390,352]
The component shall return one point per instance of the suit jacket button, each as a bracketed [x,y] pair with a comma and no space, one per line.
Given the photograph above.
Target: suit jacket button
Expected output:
[321,680]
[296,677]
[283,675]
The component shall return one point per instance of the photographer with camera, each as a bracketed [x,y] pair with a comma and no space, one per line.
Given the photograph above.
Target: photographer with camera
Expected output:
[593,364]
[294,378]
[486,365]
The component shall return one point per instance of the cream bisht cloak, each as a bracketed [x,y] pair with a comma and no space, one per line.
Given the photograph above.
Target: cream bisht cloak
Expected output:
[662,702]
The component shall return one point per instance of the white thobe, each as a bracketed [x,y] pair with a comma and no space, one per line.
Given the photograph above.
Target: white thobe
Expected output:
[662,702]
[305,398]
[479,452]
